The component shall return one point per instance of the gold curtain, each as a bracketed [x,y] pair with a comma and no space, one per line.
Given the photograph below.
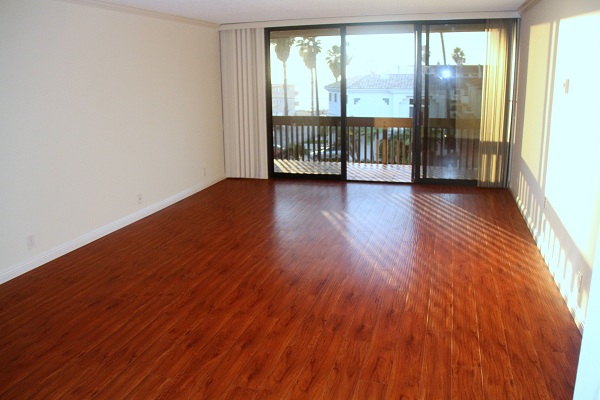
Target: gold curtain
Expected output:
[494,137]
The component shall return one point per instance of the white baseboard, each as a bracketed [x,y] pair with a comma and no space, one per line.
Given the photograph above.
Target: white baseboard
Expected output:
[538,237]
[21,268]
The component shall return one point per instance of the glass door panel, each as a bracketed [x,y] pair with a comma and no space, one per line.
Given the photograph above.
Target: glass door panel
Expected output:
[306,138]
[453,56]
[379,101]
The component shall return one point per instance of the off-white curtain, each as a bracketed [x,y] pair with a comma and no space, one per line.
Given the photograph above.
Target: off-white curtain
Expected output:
[494,137]
[244,110]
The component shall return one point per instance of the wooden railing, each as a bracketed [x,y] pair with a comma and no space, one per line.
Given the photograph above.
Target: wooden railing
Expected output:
[379,140]
[375,140]
[307,138]
[456,140]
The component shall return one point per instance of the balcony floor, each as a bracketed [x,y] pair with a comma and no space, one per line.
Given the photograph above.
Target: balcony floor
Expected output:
[371,172]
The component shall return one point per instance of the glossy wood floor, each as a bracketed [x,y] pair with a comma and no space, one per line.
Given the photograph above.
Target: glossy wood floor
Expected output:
[297,290]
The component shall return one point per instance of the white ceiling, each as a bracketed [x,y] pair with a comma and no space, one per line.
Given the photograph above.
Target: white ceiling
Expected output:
[240,11]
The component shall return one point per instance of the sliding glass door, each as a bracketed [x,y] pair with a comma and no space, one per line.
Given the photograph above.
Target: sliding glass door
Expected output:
[342,102]
[380,91]
[307,135]
[392,102]
[453,58]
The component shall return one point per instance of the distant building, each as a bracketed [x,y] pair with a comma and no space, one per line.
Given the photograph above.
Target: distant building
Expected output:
[453,91]
[374,95]
[278,101]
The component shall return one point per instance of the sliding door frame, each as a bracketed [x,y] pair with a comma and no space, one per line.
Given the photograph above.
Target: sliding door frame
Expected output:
[343,103]
[269,96]
[421,120]
[418,106]
[421,108]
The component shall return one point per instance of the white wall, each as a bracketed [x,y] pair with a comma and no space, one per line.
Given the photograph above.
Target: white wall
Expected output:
[555,175]
[96,107]
[587,385]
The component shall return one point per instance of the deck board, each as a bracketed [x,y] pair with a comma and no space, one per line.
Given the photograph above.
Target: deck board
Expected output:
[370,172]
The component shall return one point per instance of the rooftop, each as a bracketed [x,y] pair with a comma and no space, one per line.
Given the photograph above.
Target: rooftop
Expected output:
[377,81]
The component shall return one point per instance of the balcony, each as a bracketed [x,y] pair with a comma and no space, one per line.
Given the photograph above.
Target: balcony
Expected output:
[379,149]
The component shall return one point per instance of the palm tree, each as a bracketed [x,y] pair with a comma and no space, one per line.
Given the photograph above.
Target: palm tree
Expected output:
[458,55]
[334,60]
[309,48]
[282,50]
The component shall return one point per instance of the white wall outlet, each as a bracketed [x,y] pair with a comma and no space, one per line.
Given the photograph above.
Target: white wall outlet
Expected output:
[203,171]
[139,198]
[579,280]
[30,239]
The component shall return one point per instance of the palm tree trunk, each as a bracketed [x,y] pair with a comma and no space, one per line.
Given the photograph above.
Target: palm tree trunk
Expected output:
[312,93]
[446,83]
[317,92]
[443,47]
[285,94]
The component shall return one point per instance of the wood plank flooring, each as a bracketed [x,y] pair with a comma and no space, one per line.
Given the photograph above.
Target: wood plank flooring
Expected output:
[297,290]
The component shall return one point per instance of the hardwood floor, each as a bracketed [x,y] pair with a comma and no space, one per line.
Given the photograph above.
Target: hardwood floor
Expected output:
[297,290]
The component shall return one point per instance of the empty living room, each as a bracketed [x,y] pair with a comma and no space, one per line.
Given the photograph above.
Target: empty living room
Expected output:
[279,200]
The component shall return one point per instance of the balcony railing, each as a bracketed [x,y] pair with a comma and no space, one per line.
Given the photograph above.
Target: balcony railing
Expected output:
[449,142]
[380,140]
[452,143]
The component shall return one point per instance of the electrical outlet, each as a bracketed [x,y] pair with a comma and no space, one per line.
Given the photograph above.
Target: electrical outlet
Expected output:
[30,242]
[139,197]
[579,280]
[203,171]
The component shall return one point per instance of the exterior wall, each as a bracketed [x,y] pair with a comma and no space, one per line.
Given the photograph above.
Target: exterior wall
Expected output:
[370,104]
[97,107]
[335,107]
[365,103]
